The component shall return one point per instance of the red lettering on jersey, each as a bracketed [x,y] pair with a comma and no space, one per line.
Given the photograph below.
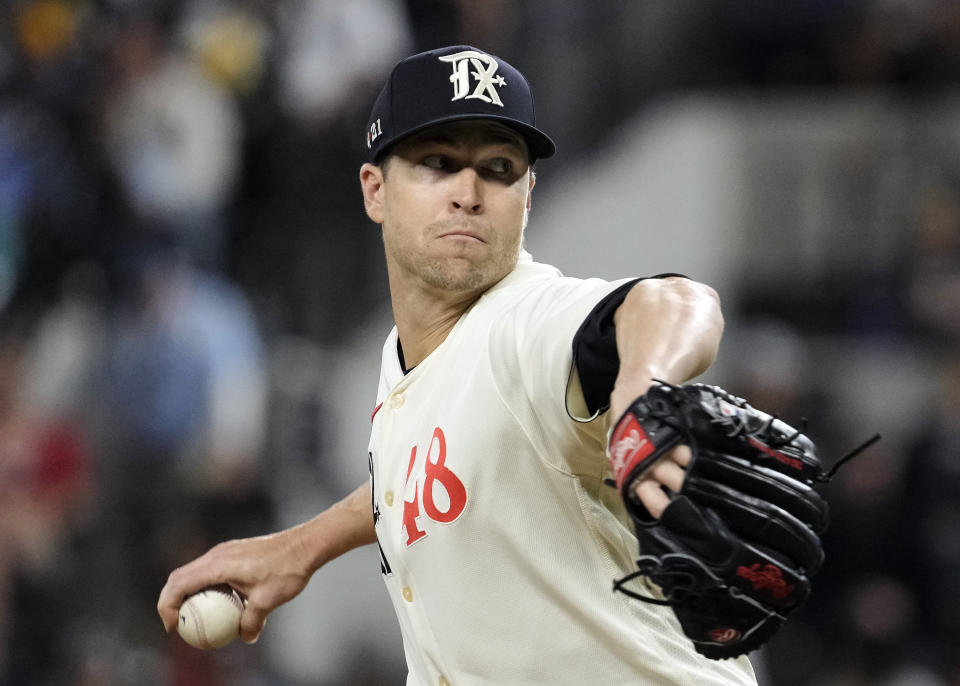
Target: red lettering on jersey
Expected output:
[375,410]
[435,471]
[413,458]
[411,512]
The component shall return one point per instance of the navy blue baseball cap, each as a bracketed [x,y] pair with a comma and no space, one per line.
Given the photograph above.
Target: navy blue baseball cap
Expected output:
[450,84]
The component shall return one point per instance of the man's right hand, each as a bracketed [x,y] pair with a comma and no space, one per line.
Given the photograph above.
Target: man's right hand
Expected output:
[267,571]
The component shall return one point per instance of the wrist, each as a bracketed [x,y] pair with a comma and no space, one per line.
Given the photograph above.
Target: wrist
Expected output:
[307,546]
[626,390]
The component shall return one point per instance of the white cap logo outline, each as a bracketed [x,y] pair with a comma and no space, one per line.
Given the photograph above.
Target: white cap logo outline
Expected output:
[485,68]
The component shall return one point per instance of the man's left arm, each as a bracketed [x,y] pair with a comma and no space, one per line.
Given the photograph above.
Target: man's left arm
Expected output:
[667,329]
[729,531]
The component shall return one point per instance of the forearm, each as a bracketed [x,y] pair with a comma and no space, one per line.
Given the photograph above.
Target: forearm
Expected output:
[667,329]
[270,570]
[344,526]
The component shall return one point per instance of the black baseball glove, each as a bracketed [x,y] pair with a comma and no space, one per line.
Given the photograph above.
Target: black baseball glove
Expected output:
[734,550]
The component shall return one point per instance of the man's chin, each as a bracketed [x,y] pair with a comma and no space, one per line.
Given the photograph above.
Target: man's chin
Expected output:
[452,281]
[461,275]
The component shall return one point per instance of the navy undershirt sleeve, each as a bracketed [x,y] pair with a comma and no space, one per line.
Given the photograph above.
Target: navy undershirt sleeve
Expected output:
[595,348]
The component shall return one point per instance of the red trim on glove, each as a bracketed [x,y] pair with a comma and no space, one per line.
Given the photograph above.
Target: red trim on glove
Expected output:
[629,447]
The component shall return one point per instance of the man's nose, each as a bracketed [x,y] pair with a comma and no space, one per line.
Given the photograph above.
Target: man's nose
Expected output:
[466,194]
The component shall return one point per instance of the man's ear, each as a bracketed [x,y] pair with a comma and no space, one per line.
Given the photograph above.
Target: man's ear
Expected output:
[526,209]
[371,183]
[533,181]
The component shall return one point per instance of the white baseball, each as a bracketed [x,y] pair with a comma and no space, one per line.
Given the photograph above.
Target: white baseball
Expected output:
[211,618]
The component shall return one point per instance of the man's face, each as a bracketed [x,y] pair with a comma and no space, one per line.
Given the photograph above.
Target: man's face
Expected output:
[452,201]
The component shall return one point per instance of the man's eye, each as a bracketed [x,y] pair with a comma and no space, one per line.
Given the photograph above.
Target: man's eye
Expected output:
[440,162]
[500,165]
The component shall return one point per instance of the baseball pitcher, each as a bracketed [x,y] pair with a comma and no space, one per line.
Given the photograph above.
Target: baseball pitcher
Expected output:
[553,501]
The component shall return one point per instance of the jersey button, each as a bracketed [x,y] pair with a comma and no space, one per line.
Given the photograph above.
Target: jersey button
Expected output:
[388,498]
[443,681]
[396,401]
[407,594]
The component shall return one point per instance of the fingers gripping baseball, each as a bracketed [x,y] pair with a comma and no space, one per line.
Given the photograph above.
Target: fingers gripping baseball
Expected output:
[252,621]
[266,571]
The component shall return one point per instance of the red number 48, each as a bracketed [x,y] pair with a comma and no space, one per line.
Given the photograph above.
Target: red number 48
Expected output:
[435,471]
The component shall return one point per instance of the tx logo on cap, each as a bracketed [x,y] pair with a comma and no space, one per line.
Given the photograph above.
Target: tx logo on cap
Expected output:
[485,67]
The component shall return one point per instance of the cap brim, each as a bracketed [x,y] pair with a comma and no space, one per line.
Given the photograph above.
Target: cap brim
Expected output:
[539,144]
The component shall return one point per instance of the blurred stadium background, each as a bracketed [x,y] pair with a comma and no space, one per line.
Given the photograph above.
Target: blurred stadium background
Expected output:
[193,301]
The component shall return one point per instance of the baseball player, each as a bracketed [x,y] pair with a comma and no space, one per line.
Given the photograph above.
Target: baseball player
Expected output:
[489,494]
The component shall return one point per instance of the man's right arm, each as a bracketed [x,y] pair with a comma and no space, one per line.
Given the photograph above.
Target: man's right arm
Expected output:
[271,570]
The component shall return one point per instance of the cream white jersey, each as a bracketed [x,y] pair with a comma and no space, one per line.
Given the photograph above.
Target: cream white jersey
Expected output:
[499,539]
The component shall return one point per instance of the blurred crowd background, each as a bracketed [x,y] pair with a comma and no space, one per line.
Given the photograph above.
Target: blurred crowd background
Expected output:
[192,301]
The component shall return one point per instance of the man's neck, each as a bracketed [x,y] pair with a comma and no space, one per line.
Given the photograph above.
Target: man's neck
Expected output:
[423,322]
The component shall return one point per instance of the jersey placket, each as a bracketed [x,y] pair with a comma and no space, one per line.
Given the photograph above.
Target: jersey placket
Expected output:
[396,482]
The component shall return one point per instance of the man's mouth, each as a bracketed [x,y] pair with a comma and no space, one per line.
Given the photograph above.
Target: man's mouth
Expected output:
[462,234]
